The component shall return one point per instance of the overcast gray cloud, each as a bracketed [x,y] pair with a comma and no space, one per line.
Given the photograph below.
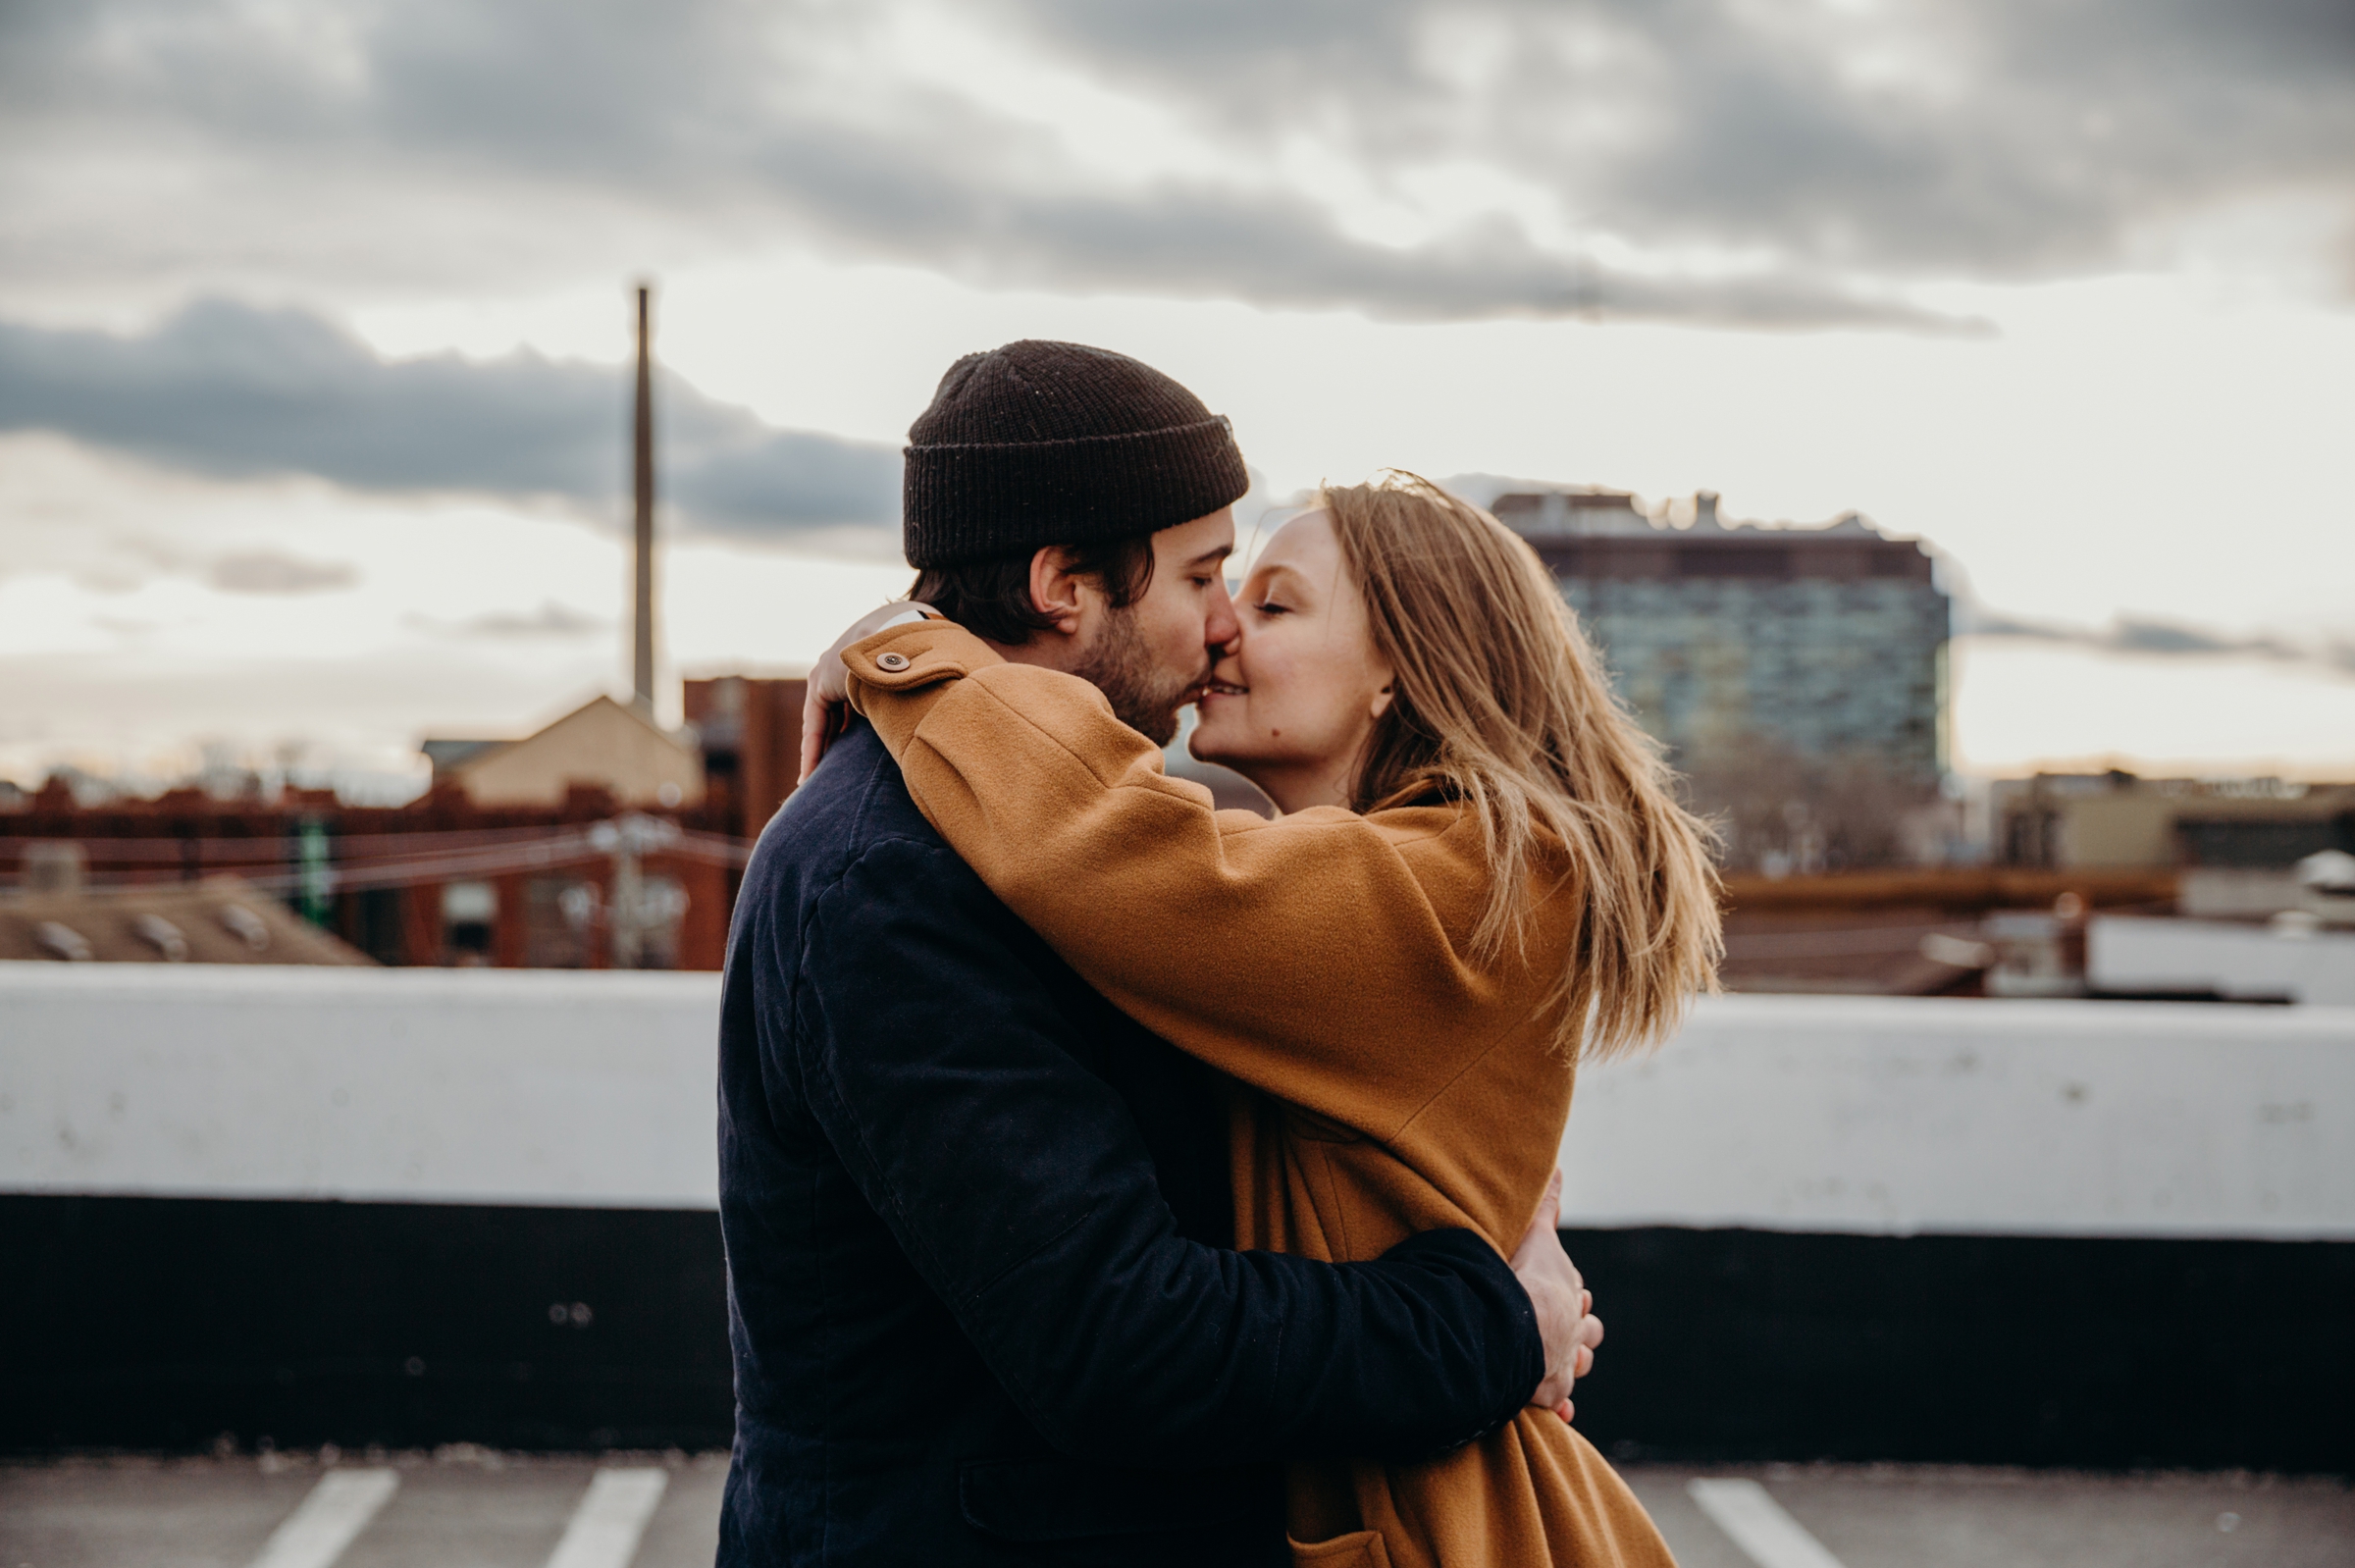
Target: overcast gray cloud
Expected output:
[1998,137]
[1827,157]
[225,388]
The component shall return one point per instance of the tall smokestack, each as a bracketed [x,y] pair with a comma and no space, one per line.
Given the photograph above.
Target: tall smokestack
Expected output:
[641,666]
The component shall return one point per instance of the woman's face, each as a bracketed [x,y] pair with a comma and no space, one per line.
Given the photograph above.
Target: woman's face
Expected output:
[1293,701]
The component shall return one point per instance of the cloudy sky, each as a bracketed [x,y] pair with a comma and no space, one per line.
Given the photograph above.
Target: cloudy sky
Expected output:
[312,408]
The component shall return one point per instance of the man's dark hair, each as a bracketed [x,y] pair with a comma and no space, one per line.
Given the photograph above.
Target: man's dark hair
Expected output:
[991,597]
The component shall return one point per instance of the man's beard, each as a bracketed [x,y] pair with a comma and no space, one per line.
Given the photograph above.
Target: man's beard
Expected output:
[1144,696]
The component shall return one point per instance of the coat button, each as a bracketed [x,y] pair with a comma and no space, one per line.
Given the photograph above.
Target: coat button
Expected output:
[890,660]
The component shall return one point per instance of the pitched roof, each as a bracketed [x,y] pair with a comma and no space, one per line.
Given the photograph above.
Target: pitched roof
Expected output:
[601,742]
[221,919]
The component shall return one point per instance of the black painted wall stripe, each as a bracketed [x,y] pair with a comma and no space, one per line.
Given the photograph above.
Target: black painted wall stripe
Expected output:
[2101,1353]
[160,1323]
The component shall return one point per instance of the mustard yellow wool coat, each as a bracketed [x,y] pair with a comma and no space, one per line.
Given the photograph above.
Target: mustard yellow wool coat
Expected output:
[1392,1085]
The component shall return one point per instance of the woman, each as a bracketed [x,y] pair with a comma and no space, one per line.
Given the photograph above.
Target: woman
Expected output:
[1479,879]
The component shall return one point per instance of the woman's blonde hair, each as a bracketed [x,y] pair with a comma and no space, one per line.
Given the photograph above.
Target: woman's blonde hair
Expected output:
[1500,704]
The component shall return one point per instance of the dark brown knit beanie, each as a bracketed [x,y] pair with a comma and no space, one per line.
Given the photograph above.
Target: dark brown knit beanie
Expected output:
[1041,444]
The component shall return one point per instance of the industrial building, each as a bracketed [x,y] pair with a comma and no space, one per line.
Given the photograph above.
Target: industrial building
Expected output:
[2117,819]
[2241,850]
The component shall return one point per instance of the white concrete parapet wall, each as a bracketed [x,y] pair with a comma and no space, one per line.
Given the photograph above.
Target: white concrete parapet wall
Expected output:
[1900,1115]
[593,1090]
[1874,1116]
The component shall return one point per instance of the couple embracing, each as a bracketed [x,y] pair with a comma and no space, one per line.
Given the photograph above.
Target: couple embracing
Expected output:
[1108,1179]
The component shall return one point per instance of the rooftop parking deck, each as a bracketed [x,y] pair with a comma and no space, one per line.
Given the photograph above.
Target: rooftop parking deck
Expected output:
[654,1510]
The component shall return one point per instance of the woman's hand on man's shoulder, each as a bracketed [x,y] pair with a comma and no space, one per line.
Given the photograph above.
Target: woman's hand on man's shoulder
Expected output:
[825,702]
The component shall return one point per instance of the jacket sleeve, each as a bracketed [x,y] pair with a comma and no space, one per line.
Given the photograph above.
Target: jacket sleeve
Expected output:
[1302,956]
[1018,1187]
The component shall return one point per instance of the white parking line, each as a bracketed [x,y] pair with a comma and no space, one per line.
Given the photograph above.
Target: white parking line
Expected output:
[604,1529]
[330,1516]
[1767,1535]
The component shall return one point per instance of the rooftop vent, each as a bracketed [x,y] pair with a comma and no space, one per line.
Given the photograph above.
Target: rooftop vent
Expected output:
[163,936]
[246,926]
[63,941]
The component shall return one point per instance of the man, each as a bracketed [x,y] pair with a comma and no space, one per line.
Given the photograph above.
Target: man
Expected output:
[981,1293]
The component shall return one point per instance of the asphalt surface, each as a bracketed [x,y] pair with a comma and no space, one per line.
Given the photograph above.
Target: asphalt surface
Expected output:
[465,1506]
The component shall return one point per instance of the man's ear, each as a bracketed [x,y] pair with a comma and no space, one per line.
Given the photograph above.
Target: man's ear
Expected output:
[1055,589]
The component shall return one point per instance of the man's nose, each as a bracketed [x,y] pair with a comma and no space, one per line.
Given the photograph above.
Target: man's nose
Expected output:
[1221,628]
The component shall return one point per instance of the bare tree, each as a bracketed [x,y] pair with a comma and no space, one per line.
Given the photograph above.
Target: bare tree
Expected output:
[1780,810]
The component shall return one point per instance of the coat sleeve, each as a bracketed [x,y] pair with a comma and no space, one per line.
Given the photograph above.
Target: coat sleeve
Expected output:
[1302,956]
[1018,1187]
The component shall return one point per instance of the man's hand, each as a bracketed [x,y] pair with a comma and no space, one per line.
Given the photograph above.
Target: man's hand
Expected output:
[825,704]
[1570,1329]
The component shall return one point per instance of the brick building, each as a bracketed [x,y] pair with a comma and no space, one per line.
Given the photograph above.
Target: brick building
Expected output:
[636,865]
[749,731]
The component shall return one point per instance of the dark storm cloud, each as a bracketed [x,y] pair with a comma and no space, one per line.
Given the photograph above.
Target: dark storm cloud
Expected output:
[2129,634]
[270,571]
[1844,155]
[224,388]
[551,621]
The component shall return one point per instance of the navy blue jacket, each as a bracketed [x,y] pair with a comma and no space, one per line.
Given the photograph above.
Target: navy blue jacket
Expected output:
[976,1217]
